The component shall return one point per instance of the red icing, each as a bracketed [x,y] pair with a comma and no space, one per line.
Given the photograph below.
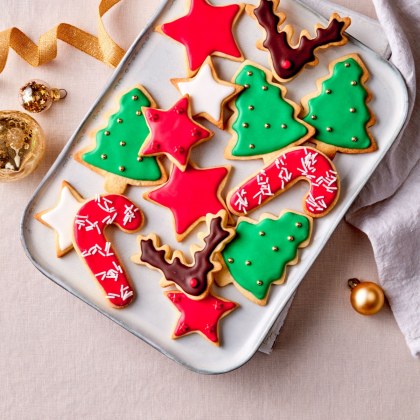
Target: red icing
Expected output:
[194,282]
[289,167]
[98,253]
[200,315]
[191,195]
[173,132]
[205,30]
[286,64]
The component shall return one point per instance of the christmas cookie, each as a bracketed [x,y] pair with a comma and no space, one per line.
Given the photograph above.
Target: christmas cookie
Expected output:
[191,195]
[278,176]
[195,278]
[61,217]
[258,255]
[200,316]
[264,121]
[208,93]
[288,60]
[91,243]
[115,155]
[339,110]
[204,31]
[173,133]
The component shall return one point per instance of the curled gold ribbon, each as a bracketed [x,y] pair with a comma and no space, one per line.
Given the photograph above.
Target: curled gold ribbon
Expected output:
[102,47]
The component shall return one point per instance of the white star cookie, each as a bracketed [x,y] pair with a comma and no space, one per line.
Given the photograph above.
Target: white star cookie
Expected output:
[61,217]
[207,92]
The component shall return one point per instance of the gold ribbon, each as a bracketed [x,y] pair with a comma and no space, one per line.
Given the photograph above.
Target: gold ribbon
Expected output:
[102,47]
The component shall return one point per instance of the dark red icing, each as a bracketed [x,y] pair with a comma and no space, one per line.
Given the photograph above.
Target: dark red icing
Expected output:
[288,61]
[193,280]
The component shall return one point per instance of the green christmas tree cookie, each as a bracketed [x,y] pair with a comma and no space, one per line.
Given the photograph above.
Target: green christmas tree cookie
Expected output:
[339,111]
[258,255]
[117,146]
[264,121]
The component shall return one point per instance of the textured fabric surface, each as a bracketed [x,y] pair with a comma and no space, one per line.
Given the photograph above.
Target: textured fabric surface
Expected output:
[59,359]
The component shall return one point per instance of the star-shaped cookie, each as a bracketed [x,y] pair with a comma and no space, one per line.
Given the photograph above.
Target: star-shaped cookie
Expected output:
[191,195]
[206,30]
[200,316]
[173,132]
[208,93]
[61,217]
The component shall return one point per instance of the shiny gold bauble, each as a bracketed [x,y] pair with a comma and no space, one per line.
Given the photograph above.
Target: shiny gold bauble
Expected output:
[22,145]
[37,96]
[367,298]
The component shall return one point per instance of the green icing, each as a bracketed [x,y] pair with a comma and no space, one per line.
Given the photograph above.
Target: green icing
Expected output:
[254,243]
[333,109]
[126,133]
[258,107]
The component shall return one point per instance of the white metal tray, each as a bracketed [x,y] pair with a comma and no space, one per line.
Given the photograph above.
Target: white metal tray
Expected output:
[152,61]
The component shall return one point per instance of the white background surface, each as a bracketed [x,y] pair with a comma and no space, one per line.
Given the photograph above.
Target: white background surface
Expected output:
[61,359]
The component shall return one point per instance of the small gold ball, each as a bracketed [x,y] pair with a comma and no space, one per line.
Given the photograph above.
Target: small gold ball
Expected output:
[247,262]
[290,238]
[264,87]
[352,110]
[275,248]
[119,120]
[314,117]
[347,65]
[246,85]
[259,282]
[107,133]
[230,260]
[252,146]
[245,125]
[139,159]
[134,97]
[367,298]
[104,156]
[249,73]
[329,129]
[251,107]
[122,143]
[266,125]
[283,126]
[298,224]
[354,139]
[261,233]
[121,168]
[353,83]
[138,112]
[328,91]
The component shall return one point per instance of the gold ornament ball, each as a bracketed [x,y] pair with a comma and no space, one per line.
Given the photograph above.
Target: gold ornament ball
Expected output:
[37,96]
[22,145]
[366,298]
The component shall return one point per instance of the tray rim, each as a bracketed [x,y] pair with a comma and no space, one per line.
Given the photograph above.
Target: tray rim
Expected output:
[131,53]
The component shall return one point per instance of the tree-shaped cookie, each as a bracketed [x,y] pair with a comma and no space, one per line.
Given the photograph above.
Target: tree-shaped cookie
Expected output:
[258,255]
[115,155]
[194,278]
[264,121]
[339,110]
[288,60]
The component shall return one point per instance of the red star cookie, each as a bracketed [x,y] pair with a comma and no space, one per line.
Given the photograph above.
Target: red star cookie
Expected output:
[191,195]
[173,133]
[200,316]
[206,30]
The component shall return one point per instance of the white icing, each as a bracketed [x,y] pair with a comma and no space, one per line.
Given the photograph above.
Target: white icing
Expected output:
[207,95]
[61,217]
